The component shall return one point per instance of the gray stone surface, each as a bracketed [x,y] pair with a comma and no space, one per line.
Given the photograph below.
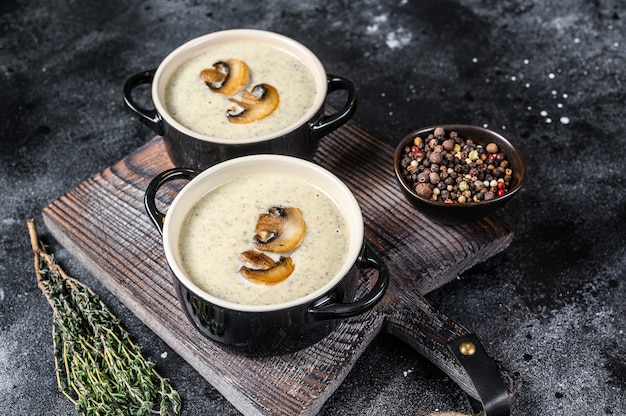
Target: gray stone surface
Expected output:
[548,74]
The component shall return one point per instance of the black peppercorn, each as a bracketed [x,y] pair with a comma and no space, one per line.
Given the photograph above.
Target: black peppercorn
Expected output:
[423,177]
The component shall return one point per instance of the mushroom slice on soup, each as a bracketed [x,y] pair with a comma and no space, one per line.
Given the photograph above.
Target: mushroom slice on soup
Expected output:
[227,78]
[278,272]
[254,105]
[279,230]
[256,260]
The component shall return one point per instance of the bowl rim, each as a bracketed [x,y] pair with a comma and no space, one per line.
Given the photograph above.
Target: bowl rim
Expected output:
[195,46]
[228,170]
[482,131]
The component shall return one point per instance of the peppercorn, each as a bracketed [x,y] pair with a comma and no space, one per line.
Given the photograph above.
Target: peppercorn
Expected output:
[435,157]
[423,190]
[454,169]
[492,148]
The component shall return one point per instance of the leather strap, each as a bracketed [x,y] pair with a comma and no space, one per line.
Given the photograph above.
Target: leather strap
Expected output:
[493,396]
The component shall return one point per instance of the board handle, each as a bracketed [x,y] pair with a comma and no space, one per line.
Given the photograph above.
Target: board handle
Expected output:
[453,349]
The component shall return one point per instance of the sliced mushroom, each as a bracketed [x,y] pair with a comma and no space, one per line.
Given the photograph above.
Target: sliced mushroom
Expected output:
[254,105]
[279,230]
[279,271]
[227,78]
[256,260]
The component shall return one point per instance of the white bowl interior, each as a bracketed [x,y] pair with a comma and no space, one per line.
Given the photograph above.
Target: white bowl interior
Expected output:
[226,171]
[196,46]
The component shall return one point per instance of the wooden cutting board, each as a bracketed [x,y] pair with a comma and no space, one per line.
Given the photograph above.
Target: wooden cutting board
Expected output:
[102,222]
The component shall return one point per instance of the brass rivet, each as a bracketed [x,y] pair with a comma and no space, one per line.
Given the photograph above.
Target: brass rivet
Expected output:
[467,348]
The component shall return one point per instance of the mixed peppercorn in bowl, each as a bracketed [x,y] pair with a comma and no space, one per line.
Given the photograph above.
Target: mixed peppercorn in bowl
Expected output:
[458,173]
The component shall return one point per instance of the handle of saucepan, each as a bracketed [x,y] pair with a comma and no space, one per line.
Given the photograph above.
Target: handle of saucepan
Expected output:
[455,350]
[158,217]
[327,309]
[328,123]
[150,118]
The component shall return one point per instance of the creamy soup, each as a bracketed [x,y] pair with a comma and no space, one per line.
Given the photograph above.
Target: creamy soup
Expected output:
[221,226]
[202,110]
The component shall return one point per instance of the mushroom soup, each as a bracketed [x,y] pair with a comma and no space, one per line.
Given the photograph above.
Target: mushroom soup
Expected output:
[222,226]
[238,90]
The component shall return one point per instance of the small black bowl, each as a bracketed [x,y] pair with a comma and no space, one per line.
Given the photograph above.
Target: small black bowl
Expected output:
[457,213]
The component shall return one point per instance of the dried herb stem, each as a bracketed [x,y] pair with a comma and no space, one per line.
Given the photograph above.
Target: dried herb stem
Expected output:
[98,368]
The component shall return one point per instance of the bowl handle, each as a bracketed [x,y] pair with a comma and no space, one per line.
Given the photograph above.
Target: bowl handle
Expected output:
[327,309]
[150,118]
[327,123]
[158,217]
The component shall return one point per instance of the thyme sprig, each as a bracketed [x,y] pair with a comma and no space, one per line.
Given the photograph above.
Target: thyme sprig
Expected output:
[98,367]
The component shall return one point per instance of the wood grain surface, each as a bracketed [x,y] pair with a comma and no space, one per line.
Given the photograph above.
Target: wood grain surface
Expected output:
[102,222]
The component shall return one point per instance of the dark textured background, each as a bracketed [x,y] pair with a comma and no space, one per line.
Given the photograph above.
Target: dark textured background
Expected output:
[550,308]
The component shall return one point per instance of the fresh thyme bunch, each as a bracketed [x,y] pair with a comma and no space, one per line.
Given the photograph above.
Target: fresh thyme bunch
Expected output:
[97,366]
